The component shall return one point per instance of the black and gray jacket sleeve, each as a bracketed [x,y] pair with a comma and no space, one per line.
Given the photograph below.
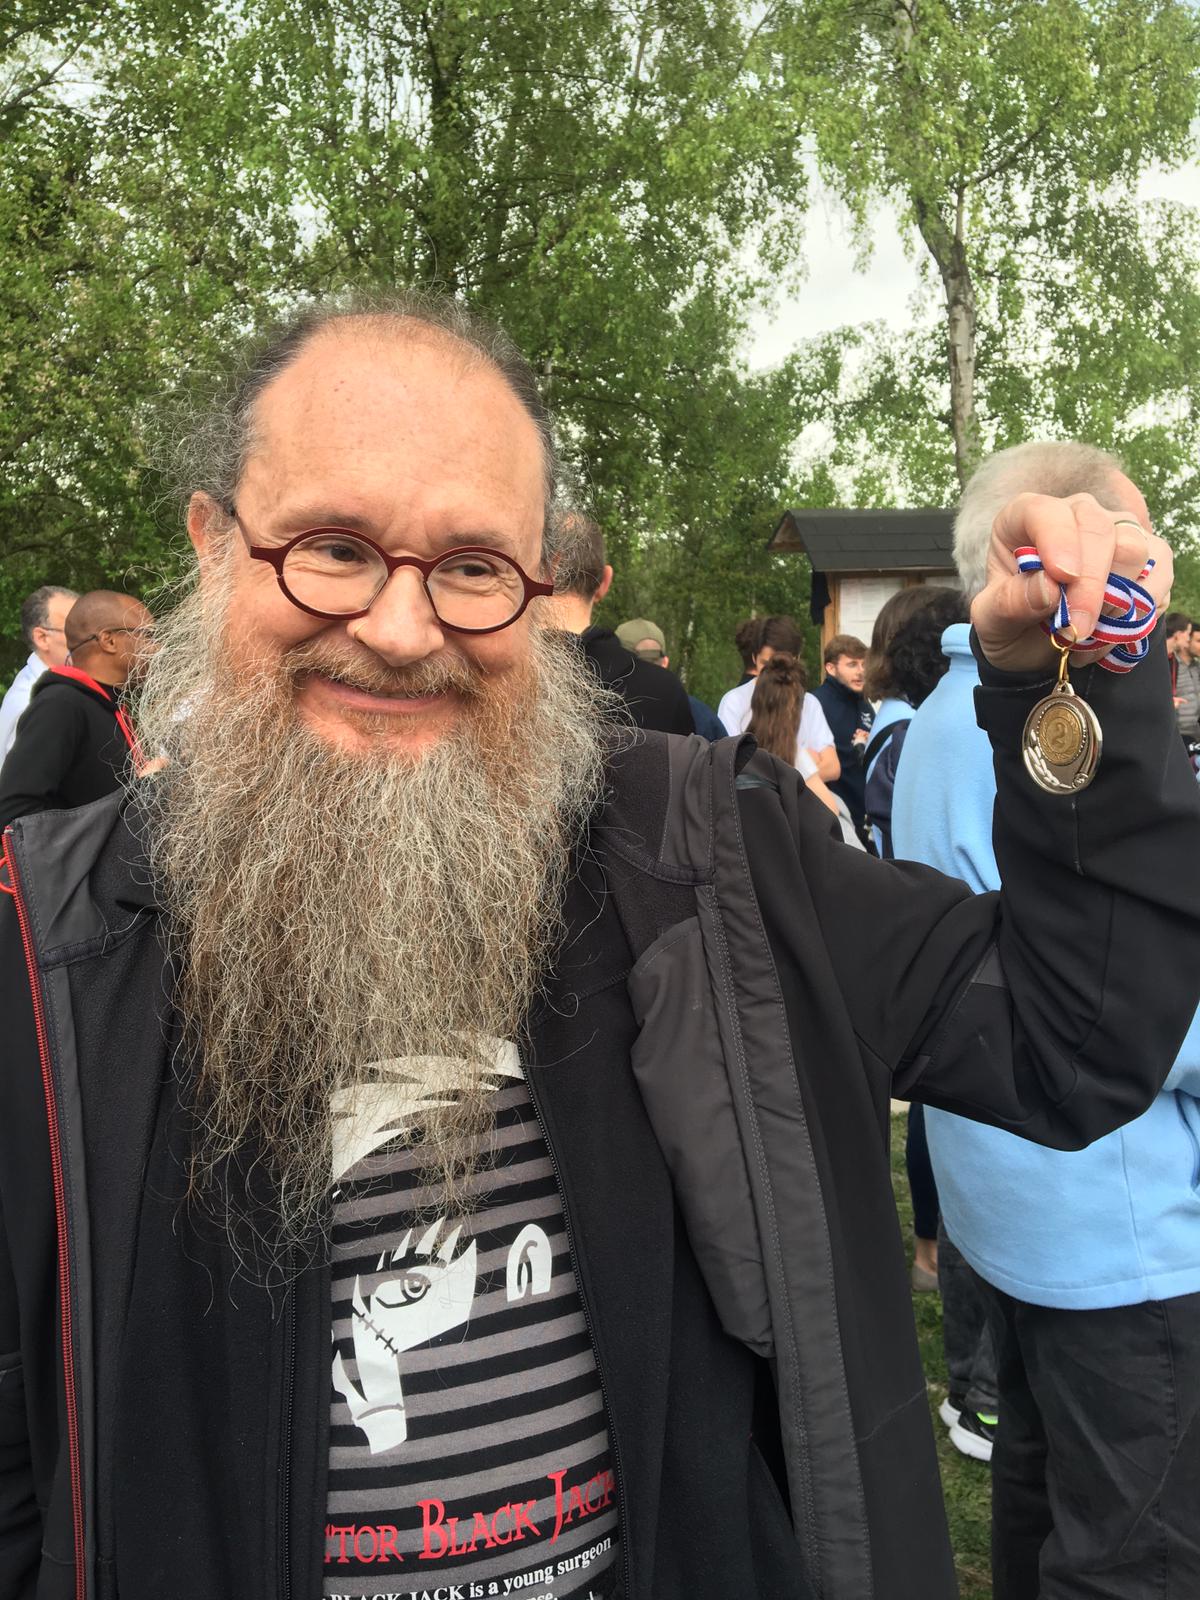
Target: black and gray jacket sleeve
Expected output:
[1054,1009]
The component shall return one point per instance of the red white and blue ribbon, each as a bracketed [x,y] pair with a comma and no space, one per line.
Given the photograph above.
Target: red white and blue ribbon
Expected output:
[1128,629]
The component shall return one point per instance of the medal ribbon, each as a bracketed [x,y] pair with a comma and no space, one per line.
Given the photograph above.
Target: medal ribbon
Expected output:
[1128,630]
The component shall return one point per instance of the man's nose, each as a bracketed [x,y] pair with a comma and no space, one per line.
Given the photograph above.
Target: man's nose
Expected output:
[401,627]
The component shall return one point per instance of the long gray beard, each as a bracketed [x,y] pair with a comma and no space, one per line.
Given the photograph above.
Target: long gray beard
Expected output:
[329,910]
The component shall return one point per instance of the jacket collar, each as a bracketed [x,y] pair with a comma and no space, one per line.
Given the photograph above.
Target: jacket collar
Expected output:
[76,675]
[956,643]
[837,687]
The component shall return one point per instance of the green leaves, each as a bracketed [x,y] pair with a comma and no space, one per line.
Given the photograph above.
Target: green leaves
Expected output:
[618,186]
[590,175]
[1012,135]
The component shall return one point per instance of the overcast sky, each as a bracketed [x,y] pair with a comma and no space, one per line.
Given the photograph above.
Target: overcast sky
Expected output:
[835,292]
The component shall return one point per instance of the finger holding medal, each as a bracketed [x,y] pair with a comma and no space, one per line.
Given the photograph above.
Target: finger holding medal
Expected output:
[1082,571]
[1078,543]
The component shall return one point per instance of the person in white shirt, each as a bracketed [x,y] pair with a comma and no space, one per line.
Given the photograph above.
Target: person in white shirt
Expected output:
[780,635]
[43,614]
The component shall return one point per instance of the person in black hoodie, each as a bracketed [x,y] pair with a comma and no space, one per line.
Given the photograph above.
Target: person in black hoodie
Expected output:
[655,697]
[74,740]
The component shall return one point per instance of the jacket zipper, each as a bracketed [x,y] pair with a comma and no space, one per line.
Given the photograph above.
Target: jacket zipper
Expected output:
[60,1213]
[285,1457]
[622,1518]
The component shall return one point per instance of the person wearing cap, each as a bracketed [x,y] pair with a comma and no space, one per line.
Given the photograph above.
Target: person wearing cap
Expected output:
[646,640]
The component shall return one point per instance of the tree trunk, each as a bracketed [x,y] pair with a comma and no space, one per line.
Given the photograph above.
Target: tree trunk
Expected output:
[443,218]
[947,247]
[949,251]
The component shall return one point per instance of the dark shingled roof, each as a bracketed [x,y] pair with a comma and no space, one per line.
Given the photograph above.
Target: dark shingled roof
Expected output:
[869,541]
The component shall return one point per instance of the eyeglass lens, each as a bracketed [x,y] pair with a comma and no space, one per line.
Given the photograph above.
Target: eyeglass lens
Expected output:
[333,572]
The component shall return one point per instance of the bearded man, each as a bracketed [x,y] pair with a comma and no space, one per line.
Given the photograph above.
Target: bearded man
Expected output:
[445,1140]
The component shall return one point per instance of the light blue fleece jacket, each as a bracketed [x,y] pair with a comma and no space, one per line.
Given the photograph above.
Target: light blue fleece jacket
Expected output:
[1112,1225]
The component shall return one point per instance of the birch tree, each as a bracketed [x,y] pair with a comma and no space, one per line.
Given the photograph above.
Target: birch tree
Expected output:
[1011,136]
[138,233]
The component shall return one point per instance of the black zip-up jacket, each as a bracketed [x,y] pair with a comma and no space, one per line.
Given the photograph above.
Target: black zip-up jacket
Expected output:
[847,712]
[69,749]
[738,997]
[655,697]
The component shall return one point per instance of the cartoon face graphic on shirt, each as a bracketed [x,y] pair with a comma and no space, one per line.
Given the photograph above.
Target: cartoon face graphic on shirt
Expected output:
[425,1291]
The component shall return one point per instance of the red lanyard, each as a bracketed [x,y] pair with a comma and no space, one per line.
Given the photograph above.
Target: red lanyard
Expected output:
[122,719]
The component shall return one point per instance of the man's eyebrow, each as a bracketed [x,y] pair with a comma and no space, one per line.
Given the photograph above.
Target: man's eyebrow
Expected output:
[488,537]
[305,517]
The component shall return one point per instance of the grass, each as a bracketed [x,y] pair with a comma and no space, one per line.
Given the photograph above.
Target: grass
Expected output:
[966,1484]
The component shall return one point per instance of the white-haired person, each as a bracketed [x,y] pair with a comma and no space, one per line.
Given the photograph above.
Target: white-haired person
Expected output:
[1090,1259]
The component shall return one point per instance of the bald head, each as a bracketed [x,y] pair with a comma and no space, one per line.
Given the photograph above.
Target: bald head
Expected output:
[106,632]
[212,449]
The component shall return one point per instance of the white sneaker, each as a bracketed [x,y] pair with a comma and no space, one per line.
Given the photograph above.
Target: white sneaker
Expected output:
[972,1435]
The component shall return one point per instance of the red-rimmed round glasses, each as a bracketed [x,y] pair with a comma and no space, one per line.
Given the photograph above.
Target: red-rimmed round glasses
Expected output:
[336,574]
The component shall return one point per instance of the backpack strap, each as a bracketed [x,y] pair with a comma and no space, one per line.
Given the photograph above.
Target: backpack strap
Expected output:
[648,868]
[880,740]
[718,1074]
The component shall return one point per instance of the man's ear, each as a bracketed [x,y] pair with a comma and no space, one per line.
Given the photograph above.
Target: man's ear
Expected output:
[666,661]
[605,585]
[202,513]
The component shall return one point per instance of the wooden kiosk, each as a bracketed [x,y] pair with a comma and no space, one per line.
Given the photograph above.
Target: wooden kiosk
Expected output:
[861,558]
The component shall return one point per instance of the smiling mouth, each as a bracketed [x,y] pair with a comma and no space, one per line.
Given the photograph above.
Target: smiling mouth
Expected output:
[354,696]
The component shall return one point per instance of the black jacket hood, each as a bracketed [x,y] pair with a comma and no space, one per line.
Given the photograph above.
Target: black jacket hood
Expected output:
[62,680]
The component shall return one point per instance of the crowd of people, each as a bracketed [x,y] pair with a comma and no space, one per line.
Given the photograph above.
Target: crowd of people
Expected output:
[446,1110]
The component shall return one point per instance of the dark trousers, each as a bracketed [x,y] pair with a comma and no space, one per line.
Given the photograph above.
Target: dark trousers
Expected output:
[968,1331]
[922,1185]
[1096,1467]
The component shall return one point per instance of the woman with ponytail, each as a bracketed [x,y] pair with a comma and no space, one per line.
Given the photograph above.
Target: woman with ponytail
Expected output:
[777,724]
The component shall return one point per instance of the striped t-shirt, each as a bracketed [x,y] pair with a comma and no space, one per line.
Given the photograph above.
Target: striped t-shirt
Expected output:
[469,1453]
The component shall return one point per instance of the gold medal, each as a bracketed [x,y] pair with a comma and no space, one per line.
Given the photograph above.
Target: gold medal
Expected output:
[1062,740]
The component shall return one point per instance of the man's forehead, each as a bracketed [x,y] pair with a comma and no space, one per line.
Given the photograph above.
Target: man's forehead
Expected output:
[425,410]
